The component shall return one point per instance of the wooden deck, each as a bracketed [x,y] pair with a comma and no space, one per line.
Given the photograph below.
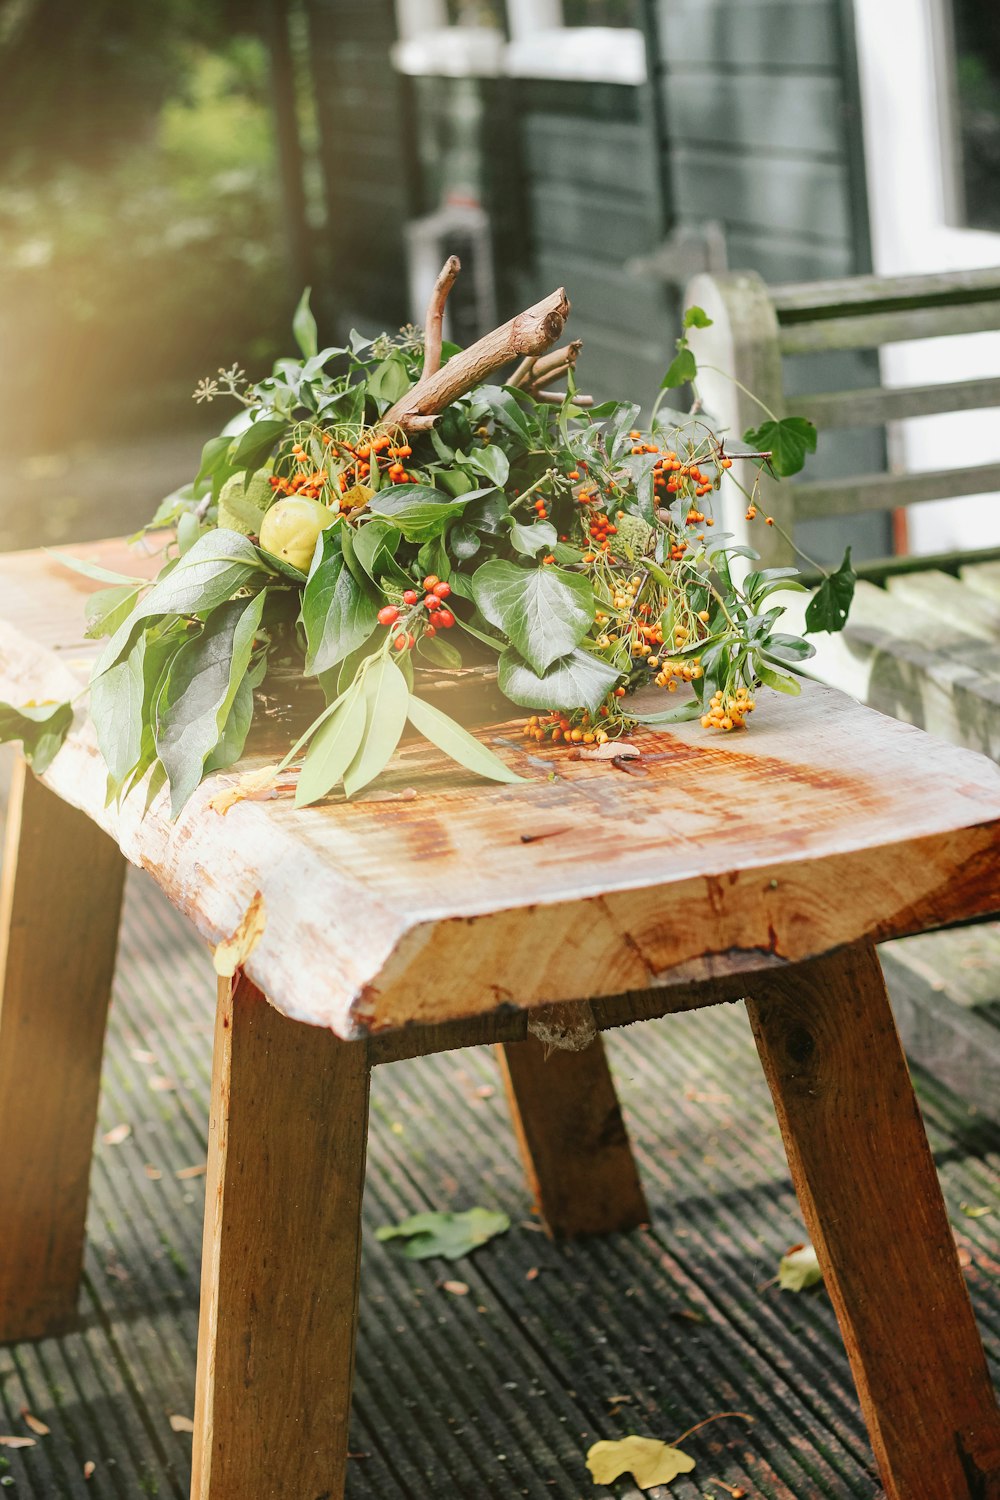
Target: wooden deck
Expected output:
[501,1391]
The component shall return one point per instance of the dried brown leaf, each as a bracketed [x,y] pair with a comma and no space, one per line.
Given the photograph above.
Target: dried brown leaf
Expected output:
[456,1288]
[611,750]
[234,951]
[89,1469]
[254,786]
[181,1424]
[153,1173]
[185,1172]
[117,1134]
[162,1085]
[17,1442]
[33,1424]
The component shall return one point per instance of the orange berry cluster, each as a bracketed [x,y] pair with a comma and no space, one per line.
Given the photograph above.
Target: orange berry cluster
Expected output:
[386,456]
[436,618]
[558,729]
[600,527]
[306,480]
[728,711]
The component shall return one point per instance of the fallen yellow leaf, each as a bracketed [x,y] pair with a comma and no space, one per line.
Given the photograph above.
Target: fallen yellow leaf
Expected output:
[234,951]
[89,1469]
[254,786]
[33,1424]
[182,1424]
[799,1269]
[648,1460]
[116,1135]
[17,1442]
[185,1172]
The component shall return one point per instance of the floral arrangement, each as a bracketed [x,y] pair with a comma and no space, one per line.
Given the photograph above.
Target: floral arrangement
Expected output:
[389,505]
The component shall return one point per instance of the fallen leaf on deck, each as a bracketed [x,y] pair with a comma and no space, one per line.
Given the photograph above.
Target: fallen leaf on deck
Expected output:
[17,1442]
[182,1424]
[33,1424]
[611,750]
[255,786]
[448,1235]
[116,1135]
[142,1056]
[485,1091]
[648,1460]
[153,1173]
[185,1172]
[531,1274]
[799,1269]
[964,1258]
[89,1469]
[976,1210]
[234,951]
[162,1085]
[456,1288]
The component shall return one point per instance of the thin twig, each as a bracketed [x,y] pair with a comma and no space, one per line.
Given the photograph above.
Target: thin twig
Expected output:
[556,398]
[434,320]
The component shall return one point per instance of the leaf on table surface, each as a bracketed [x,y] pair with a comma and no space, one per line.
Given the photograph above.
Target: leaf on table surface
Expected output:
[41,728]
[611,750]
[116,1135]
[332,748]
[545,612]
[181,1424]
[457,742]
[234,951]
[34,1424]
[649,1461]
[448,1235]
[799,1269]
[386,697]
[254,786]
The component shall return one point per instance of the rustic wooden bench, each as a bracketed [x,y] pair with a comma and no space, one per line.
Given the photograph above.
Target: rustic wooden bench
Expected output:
[923,642]
[441,911]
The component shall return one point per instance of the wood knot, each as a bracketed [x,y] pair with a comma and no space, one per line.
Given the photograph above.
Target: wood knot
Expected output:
[800,1044]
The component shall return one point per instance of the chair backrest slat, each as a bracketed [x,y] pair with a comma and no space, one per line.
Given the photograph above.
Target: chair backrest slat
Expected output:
[869,330]
[807,300]
[851,497]
[873,407]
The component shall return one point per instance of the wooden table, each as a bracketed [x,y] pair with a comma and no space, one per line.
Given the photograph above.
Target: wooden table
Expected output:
[441,911]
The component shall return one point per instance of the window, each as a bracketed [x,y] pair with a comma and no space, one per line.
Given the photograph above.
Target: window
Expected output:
[972,114]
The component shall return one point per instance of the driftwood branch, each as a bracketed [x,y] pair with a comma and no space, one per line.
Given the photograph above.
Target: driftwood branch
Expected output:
[435,314]
[530,333]
[535,374]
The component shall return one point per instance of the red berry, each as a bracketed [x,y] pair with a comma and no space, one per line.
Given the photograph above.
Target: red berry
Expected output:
[389,615]
[442,590]
[403,642]
[431,601]
[430,630]
[444,617]
[410,597]
[431,580]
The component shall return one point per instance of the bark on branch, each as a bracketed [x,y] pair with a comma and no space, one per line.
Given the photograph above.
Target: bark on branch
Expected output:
[531,332]
[435,314]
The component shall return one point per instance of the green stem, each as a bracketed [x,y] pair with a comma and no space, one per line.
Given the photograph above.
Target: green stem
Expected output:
[741,387]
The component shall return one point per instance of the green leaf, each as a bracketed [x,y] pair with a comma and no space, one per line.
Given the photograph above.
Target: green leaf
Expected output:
[544,612]
[336,611]
[254,447]
[696,317]
[233,739]
[116,702]
[682,369]
[332,748]
[799,1269]
[417,510]
[790,648]
[215,462]
[389,381]
[492,462]
[829,606]
[95,571]
[457,742]
[448,1235]
[462,542]
[108,608]
[441,652]
[776,680]
[41,728]
[386,698]
[304,327]
[679,714]
[578,680]
[530,540]
[218,565]
[375,544]
[788,441]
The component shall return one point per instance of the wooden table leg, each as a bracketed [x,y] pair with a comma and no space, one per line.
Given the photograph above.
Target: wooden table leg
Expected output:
[573,1139]
[60,906]
[282,1251]
[872,1204]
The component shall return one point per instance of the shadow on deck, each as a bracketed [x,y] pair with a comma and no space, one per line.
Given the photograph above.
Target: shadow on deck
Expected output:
[501,1391]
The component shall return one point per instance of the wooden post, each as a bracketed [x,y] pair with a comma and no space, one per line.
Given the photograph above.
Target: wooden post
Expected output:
[573,1139]
[872,1204]
[60,905]
[282,1252]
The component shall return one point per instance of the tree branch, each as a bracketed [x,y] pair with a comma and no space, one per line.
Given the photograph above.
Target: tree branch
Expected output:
[435,314]
[529,333]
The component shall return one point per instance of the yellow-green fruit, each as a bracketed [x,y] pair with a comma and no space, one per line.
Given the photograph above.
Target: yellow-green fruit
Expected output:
[290,528]
[243,509]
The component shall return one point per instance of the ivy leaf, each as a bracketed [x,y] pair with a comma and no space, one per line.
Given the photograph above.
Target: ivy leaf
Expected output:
[456,742]
[332,748]
[544,612]
[829,606]
[336,612]
[696,317]
[463,542]
[649,1461]
[254,447]
[41,728]
[799,1269]
[788,441]
[577,680]
[448,1235]
[304,327]
[530,540]
[683,368]
[386,697]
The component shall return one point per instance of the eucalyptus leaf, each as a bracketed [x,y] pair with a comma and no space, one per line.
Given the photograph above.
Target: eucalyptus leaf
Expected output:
[578,680]
[95,571]
[332,748]
[108,608]
[386,697]
[544,612]
[457,742]
[304,327]
[233,738]
[338,614]
[680,713]
[116,700]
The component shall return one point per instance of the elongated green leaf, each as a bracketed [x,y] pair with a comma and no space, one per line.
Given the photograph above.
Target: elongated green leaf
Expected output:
[40,727]
[544,612]
[161,646]
[304,327]
[374,546]
[95,571]
[332,749]
[233,739]
[441,652]
[218,565]
[386,698]
[255,446]
[215,464]
[116,700]
[108,608]
[417,510]
[777,680]
[457,742]
[337,613]
[676,715]
[577,680]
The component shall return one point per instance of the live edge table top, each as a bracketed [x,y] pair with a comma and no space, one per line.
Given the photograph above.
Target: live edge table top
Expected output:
[437,896]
